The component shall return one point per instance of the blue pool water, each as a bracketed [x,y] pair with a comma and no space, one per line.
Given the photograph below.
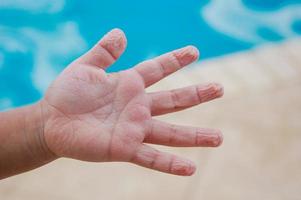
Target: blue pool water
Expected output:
[39,38]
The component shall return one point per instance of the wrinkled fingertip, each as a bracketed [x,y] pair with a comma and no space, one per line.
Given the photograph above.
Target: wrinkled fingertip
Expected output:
[218,88]
[119,33]
[114,42]
[194,51]
[187,55]
[220,138]
[184,168]
[191,170]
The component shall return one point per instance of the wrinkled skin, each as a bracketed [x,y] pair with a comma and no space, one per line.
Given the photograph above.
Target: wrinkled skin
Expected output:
[96,116]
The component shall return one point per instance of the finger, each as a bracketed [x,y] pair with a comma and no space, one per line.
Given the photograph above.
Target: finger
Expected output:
[149,157]
[106,51]
[179,99]
[155,69]
[182,136]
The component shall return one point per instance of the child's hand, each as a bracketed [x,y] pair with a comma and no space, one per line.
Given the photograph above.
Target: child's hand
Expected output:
[97,116]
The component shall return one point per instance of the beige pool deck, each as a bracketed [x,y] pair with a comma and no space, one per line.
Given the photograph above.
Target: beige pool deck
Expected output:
[260,116]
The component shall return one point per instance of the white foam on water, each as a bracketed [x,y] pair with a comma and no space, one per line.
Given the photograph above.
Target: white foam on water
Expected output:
[9,41]
[34,5]
[64,43]
[234,19]
[45,47]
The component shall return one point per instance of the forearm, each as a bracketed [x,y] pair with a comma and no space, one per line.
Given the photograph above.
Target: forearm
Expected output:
[22,146]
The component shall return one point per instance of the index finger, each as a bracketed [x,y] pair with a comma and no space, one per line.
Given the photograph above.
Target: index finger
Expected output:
[157,68]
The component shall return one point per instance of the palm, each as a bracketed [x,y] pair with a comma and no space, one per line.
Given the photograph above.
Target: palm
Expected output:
[103,117]
[96,116]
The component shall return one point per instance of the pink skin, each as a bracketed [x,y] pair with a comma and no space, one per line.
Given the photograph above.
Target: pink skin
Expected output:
[95,116]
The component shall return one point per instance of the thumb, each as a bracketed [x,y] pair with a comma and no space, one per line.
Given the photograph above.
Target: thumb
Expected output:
[106,51]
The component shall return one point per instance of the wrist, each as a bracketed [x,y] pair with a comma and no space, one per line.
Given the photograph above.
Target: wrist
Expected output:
[34,119]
